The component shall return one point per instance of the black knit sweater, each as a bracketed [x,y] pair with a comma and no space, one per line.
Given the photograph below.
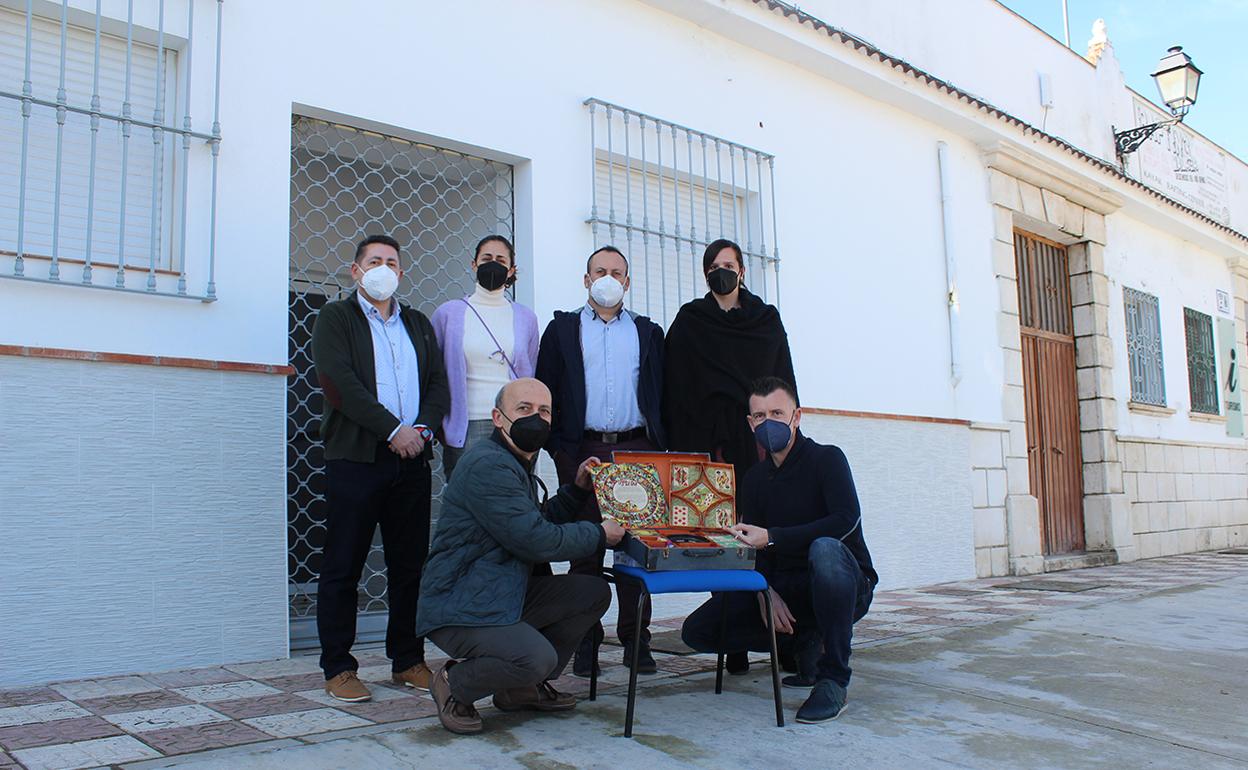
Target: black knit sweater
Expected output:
[811,495]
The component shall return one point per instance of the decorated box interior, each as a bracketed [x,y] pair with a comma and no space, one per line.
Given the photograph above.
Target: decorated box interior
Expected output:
[675,507]
[669,500]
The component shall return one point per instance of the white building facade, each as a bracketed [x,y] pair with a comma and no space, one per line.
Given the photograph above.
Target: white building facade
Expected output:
[1024,348]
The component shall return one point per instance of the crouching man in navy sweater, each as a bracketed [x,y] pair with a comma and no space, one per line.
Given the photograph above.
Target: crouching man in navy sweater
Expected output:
[800,510]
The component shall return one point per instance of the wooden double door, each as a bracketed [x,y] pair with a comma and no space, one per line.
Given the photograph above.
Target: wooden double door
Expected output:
[1051,393]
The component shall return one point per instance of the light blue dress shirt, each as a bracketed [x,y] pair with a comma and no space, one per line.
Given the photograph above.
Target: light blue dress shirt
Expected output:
[395,364]
[612,356]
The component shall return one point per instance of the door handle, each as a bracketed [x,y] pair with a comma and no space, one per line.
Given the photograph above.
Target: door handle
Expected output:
[1055,449]
[702,553]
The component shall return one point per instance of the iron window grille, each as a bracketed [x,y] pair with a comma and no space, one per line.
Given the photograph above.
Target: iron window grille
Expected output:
[1202,371]
[1144,358]
[99,160]
[662,191]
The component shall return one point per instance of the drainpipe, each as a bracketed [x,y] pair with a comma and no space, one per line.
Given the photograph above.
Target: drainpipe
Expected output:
[951,267]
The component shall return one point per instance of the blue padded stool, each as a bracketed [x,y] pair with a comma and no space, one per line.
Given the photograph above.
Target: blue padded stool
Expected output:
[691,581]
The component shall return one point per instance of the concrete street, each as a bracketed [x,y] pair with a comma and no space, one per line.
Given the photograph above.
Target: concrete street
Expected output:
[1155,679]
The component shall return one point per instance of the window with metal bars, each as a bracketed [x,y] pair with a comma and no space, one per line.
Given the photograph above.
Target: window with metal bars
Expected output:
[661,192]
[1202,371]
[98,151]
[1144,360]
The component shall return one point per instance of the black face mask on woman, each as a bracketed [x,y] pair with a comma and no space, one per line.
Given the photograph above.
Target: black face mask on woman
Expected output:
[492,275]
[723,281]
[529,434]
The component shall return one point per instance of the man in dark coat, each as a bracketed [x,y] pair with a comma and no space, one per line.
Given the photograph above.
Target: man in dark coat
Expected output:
[604,366]
[379,366]
[513,631]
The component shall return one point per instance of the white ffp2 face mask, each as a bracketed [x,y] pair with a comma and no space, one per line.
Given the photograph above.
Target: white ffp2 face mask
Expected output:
[379,283]
[607,291]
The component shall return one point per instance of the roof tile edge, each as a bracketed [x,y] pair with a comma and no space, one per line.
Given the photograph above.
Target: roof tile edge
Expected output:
[794,13]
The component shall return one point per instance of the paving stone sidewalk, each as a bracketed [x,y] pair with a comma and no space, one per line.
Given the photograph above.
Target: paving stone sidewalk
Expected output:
[89,723]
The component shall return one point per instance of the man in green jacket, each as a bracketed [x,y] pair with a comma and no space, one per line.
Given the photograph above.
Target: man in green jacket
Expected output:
[384,383]
[514,631]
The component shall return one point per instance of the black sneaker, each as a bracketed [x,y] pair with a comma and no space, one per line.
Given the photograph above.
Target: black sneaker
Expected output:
[787,662]
[806,650]
[645,661]
[798,681]
[585,662]
[826,702]
[737,663]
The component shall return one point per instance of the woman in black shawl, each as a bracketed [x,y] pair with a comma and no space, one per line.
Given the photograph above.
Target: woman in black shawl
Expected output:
[716,347]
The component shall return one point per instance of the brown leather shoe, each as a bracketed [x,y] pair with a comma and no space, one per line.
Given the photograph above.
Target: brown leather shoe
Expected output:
[457,717]
[418,676]
[348,687]
[542,697]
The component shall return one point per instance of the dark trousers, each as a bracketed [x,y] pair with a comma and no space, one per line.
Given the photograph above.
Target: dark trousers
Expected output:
[830,597]
[558,611]
[394,493]
[628,592]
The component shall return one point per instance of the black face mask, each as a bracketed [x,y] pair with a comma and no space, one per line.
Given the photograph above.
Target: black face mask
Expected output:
[529,434]
[723,281]
[492,275]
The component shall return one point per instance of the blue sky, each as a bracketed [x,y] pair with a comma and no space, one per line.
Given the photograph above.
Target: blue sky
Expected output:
[1213,32]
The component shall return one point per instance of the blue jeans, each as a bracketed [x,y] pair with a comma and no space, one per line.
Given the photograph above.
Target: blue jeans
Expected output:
[829,597]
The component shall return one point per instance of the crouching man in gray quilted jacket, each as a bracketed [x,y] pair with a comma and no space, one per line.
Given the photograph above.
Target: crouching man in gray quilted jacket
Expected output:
[511,631]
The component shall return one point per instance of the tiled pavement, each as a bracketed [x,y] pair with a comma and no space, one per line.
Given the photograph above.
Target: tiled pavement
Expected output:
[123,719]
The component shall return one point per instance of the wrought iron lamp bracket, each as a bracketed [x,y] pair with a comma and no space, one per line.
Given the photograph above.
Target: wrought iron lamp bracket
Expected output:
[1127,142]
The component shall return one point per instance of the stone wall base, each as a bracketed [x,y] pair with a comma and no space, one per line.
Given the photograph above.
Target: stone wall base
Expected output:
[1185,497]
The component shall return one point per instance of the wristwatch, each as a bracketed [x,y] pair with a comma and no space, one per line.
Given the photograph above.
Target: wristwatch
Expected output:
[425,434]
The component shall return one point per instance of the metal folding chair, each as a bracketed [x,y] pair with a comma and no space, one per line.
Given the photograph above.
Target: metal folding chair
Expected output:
[691,581]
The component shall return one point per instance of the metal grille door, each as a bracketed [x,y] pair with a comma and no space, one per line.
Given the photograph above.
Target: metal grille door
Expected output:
[1052,401]
[346,183]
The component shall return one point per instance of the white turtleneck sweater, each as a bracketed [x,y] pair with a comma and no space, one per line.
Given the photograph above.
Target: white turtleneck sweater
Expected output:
[487,371]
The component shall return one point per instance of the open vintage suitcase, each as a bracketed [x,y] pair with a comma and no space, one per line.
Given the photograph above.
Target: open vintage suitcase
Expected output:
[675,506]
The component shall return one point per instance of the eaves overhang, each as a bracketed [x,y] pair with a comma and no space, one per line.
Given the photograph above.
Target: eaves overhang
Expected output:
[1027,130]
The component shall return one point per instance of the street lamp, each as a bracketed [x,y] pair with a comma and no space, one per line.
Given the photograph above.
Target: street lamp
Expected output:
[1177,81]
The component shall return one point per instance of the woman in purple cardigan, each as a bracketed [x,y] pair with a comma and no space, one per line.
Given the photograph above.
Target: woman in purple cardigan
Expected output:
[487,340]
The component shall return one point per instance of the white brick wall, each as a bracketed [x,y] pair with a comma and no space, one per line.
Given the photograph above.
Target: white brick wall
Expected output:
[144,518]
[990,445]
[911,480]
[1185,497]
